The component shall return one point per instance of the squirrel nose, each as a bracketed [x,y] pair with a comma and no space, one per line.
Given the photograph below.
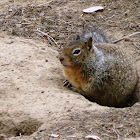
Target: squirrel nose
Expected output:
[61,59]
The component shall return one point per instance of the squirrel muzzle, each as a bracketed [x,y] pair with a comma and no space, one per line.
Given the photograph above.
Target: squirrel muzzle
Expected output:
[63,61]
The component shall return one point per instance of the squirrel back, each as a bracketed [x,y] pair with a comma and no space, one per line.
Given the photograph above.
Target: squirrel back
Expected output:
[102,72]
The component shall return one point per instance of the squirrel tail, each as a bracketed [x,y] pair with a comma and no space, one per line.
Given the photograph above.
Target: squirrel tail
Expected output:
[98,36]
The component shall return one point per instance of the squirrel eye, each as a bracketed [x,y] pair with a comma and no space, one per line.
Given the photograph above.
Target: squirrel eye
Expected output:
[77,51]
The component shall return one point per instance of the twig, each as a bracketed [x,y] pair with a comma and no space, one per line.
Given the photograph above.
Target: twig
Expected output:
[137,48]
[125,37]
[116,132]
[48,39]
[48,36]
[25,23]
[17,11]
[45,3]
[107,135]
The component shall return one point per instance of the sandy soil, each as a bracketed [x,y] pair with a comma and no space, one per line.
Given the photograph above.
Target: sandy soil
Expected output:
[34,103]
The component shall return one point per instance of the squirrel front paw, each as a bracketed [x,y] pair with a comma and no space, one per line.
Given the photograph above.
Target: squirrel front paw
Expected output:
[67,84]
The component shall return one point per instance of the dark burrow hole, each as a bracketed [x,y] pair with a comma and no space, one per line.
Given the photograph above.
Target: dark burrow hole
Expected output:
[26,127]
[129,102]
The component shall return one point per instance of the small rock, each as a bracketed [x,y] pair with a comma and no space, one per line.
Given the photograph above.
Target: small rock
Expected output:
[18,25]
[92,137]
[69,16]
[43,48]
[2,137]
[54,135]
[1,20]
[9,41]
[10,10]
[46,60]
[41,14]
[42,129]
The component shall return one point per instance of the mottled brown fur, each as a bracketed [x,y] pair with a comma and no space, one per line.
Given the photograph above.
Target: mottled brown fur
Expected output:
[102,72]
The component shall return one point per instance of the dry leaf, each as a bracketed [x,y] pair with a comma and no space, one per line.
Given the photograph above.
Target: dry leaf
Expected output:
[93,9]
[54,135]
[92,137]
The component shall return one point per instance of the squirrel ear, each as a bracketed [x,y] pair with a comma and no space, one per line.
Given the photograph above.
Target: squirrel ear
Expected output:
[78,37]
[89,43]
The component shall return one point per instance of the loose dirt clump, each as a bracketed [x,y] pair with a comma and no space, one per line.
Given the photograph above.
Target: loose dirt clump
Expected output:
[34,103]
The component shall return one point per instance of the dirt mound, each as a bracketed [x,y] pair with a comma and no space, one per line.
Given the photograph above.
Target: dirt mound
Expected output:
[32,94]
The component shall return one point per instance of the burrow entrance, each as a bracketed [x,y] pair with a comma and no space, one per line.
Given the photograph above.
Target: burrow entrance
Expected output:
[18,124]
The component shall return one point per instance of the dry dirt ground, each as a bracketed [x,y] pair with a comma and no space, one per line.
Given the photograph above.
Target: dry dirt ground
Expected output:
[34,103]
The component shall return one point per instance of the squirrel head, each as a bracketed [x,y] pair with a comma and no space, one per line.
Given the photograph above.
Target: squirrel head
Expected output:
[76,53]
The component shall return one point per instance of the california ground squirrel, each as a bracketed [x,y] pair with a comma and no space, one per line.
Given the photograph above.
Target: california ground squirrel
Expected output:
[101,71]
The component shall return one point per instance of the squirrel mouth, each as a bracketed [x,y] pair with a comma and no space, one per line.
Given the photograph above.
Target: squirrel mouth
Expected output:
[64,64]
